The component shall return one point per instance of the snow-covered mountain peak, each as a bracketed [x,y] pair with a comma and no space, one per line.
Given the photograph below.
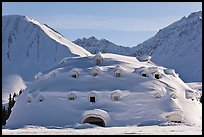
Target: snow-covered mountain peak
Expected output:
[27,44]
[195,14]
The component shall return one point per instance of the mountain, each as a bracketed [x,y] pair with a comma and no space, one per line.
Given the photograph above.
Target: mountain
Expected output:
[107,90]
[176,46]
[94,46]
[29,47]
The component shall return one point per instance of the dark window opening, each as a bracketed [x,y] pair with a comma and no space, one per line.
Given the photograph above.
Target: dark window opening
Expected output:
[117,74]
[95,74]
[98,62]
[71,98]
[157,76]
[92,99]
[144,75]
[176,121]
[74,76]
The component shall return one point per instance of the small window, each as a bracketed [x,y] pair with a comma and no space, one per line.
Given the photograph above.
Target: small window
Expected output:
[98,61]
[117,74]
[71,98]
[28,100]
[95,74]
[115,98]
[156,76]
[74,75]
[41,98]
[92,99]
[144,75]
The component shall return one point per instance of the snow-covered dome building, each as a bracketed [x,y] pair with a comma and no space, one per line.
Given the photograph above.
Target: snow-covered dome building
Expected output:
[147,94]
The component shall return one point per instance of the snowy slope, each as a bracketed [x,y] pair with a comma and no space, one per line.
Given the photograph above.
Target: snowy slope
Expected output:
[139,103]
[175,46]
[178,46]
[29,47]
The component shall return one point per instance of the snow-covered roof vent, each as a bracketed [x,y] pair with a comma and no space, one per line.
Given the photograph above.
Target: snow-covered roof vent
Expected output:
[98,59]
[189,94]
[37,76]
[92,97]
[157,94]
[115,96]
[75,72]
[173,95]
[192,94]
[53,75]
[95,71]
[144,58]
[170,72]
[144,72]
[72,96]
[175,117]
[118,71]
[41,98]
[155,71]
[28,100]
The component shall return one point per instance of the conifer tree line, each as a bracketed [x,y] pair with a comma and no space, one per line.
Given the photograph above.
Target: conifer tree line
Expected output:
[7,111]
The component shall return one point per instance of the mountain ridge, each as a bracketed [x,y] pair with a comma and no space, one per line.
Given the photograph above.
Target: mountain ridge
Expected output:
[168,44]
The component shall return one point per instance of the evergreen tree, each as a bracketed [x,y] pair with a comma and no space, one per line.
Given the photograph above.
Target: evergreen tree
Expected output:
[10,105]
[14,95]
[20,92]
[3,115]
[201,99]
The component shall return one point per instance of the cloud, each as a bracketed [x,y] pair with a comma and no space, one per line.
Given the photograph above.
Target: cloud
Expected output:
[116,23]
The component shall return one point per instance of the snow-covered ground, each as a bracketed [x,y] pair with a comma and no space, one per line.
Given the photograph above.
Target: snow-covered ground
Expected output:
[88,130]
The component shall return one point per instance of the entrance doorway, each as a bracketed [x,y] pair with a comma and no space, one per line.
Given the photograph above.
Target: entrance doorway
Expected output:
[94,120]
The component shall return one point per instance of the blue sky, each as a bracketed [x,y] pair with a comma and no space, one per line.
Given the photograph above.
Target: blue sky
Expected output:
[123,23]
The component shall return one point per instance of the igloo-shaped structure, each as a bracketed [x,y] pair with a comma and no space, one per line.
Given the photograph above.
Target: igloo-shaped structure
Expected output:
[106,100]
